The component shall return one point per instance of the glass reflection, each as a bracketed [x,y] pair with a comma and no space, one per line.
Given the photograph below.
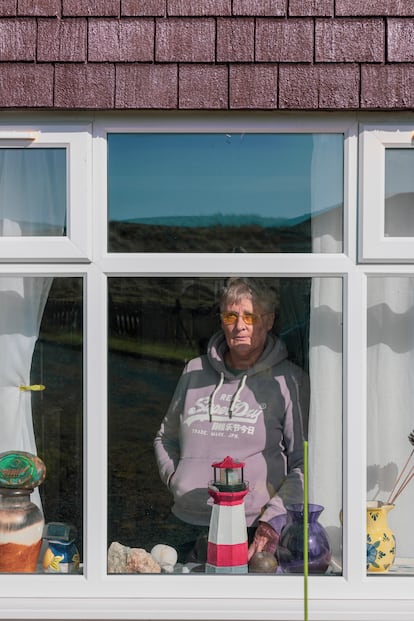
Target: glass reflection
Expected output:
[156,325]
[224,192]
[58,410]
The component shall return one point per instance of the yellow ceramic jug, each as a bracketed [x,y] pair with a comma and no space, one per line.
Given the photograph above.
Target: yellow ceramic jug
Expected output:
[380,538]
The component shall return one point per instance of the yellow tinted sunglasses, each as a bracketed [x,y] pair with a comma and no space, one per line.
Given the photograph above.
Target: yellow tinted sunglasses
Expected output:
[230,317]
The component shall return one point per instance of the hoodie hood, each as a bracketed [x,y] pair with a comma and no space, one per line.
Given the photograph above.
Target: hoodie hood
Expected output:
[274,352]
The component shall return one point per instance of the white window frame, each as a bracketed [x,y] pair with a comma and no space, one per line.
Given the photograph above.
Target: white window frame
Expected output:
[76,244]
[354,596]
[374,245]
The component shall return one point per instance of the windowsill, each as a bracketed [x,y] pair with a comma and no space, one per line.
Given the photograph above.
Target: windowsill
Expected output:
[403,566]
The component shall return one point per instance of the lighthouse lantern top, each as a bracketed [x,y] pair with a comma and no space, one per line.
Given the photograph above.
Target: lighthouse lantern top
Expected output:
[229,475]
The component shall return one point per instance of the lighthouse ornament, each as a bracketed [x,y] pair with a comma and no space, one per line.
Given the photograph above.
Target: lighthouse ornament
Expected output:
[227,537]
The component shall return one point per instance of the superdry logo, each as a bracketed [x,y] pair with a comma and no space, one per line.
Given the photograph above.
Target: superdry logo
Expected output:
[241,412]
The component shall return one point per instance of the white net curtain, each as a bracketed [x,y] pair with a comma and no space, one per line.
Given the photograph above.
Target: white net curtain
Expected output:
[390,397]
[32,202]
[32,191]
[325,342]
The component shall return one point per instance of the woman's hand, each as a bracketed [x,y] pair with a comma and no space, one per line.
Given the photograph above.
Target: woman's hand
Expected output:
[265,539]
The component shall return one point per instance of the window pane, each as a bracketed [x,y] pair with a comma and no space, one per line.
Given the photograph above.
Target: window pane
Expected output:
[157,325]
[399,193]
[58,413]
[32,192]
[390,422]
[225,192]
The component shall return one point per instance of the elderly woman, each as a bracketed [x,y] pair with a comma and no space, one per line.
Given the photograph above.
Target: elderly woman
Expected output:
[245,399]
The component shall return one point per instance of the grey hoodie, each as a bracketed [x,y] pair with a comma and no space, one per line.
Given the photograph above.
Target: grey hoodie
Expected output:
[258,416]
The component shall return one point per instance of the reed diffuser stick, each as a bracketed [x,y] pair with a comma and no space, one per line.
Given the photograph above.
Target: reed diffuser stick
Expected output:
[402,486]
[391,495]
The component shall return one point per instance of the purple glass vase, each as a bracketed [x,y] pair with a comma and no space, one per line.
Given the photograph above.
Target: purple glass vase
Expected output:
[290,548]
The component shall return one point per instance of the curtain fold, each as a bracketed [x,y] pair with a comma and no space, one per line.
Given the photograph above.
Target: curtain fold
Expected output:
[22,301]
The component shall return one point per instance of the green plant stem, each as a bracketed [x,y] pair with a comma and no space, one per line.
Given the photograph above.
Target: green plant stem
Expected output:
[305,530]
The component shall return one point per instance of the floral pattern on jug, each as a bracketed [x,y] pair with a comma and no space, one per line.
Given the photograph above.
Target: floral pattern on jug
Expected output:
[381,543]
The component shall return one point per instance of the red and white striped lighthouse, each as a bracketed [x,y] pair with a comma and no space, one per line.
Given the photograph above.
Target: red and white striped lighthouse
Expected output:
[227,536]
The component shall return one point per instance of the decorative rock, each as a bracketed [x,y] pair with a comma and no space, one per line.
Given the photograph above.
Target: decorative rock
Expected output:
[141,562]
[165,556]
[125,560]
[117,558]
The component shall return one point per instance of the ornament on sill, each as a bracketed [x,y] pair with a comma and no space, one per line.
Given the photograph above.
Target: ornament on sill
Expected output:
[291,548]
[21,521]
[380,538]
[166,557]
[227,547]
[381,542]
[125,560]
[61,554]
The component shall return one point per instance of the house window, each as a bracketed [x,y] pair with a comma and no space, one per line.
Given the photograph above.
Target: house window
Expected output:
[41,404]
[227,192]
[399,193]
[386,193]
[33,190]
[45,180]
[155,212]
[156,325]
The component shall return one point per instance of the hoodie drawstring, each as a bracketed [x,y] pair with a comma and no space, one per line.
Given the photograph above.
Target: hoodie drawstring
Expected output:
[234,398]
[213,394]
